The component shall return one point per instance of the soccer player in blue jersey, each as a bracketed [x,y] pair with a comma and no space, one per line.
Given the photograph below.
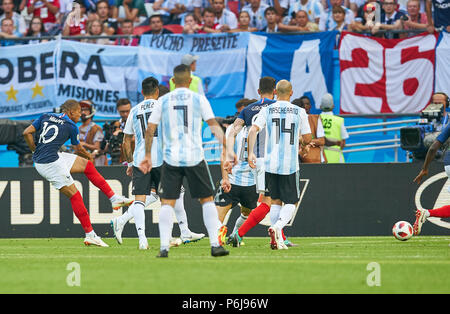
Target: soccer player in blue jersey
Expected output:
[238,187]
[53,131]
[142,183]
[284,123]
[442,139]
[180,114]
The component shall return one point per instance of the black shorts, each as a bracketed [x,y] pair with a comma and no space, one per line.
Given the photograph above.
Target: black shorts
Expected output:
[283,187]
[198,178]
[143,183]
[245,195]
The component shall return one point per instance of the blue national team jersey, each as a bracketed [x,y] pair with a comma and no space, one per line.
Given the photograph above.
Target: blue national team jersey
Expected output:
[443,137]
[137,124]
[53,131]
[248,114]
[242,174]
[285,123]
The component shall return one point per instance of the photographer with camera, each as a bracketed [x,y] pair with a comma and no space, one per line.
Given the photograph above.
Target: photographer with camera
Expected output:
[91,134]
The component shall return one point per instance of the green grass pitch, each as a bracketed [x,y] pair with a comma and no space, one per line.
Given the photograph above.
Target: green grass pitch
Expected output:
[318,265]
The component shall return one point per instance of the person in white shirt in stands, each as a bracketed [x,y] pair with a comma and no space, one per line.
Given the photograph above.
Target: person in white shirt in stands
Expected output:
[256,11]
[312,7]
[20,26]
[326,18]
[224,17]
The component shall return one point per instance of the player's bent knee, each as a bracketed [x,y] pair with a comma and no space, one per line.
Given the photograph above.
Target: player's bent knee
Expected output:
[205,199]
[69,190]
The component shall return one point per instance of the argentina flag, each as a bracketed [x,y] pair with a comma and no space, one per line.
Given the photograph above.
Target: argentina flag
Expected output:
[27,80]
[101,73]
[305,60]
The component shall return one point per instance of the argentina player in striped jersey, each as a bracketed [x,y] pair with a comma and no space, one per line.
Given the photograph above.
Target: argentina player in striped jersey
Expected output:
[238,187]
[53,131]
[142,183]
[180,114]
[284,123]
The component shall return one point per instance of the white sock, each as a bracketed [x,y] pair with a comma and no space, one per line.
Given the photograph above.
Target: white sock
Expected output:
[239,222]
[126,217]
[113,198]
[91,234]
[180,213]
[137,210]
[274,213]
[165,226]
[211,221]
[150,199]
[286,213]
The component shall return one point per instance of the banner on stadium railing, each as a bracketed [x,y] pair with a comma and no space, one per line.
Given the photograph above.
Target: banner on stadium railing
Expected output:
[221,63]
[305,60]
[101,73]
[27,79]
[386,76]
[443,64]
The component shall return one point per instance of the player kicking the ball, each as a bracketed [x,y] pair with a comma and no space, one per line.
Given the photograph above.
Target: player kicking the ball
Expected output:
[142,183]
[284,123]
[180,114]
[53,131]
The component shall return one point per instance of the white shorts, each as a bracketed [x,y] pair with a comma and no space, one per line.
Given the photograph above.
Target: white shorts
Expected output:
[447,171]
[260,175]
[58,172]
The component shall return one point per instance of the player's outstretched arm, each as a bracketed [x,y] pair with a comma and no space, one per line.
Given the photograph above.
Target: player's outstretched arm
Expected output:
[128,154]
[82,152]
[231,138]
[428,159]
[252,133]
[28,136]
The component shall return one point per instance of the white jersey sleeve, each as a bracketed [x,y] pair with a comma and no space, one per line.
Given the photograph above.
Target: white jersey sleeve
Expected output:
[128,129]
[155,118]
[207,112]
[261,118]
[304,127]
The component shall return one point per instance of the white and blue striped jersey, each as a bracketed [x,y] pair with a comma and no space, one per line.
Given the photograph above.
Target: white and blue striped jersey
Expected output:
[284,123]
[180,114]
[136,125]
[313,8]
[241,174]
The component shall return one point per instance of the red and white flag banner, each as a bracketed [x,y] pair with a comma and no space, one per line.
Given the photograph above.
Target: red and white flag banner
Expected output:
[386,75]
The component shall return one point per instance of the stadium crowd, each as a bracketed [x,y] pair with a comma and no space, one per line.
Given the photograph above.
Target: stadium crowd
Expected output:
[30,18]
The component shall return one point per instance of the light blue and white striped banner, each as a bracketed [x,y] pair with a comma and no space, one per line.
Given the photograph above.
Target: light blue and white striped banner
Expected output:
[304,60]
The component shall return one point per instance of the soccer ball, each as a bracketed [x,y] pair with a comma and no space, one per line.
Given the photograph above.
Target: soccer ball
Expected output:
[402,230]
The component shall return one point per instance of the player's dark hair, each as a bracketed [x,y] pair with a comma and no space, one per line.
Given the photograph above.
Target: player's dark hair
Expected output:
[267,85]
[244,102]
[69,105]
[181,73]
[149,86]
[122,102]
[163,90]
[300,101]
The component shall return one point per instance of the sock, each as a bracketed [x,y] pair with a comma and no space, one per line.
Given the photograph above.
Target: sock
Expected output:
[126,217]
[150,199]
[286,213]
[165,226]
[282,234]
[81,212]
[91,234]
[442,212]
[180,213]
[211,220]
[137,210]
[254,218]
[239,222]
[96,178]
[274,213]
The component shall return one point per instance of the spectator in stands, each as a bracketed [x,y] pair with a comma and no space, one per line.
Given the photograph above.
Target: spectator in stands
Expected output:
[244,22]
[129,10]
[47,10]
[335,131]
[272,19]
[156,24]
[178,10]
[313,152]
[7,32]
[366,23]
[20,27]
[127,28]
[91,134]
[414,19]
[209,25]
[71,29]
[438,15]
[102,13]
[355,5]
[123,107]
[280,6]
[326,18]
[196,84]
[313,8]
[36,29]
[301,23]
[191,24]
[95,28]
[224,17]
[256,11]
[390,20]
